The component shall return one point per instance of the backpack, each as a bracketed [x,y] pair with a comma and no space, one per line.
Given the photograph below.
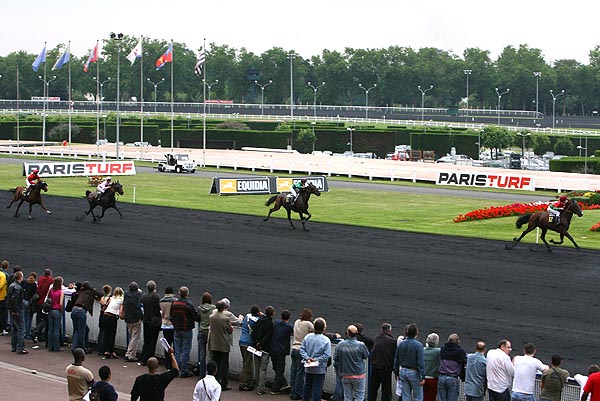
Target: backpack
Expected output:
[94,393]
[179,316]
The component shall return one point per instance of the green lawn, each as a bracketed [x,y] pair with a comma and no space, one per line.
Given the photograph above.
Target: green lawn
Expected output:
[387,210]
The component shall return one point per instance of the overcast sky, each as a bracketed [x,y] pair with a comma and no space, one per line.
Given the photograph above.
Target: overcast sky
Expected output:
[561,30]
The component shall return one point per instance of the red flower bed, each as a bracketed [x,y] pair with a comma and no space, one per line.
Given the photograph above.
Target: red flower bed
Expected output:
[516,209]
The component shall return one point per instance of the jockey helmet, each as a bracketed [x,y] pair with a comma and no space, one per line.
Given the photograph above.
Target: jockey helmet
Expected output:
[303,180]
[35,170]
[562,198]
[108,178]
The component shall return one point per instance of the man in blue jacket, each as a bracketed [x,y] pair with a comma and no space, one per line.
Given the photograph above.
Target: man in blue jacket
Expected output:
[409,365]
[349,361]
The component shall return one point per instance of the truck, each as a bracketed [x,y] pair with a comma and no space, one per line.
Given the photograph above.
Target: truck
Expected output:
[178,163]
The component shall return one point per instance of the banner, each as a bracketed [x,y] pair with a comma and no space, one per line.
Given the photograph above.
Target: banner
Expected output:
[487,180]
[262,185]
[60,169]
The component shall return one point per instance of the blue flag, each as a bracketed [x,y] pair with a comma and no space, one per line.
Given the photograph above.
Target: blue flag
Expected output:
[64,59]
[41,58]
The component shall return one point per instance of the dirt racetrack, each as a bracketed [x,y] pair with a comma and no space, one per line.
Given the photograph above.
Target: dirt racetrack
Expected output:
[445,284]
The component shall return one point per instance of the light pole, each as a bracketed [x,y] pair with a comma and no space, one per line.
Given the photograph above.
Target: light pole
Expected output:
[313,123]
[350,129]
[155,88]
[523,147]
[367,98]
[262,95]
[467,73]
[101,84]
[537,75]
[423,92]
[554,104]
[500,99]
[46,94]
[291,56]
[104,127]
[118,37]
[586,153]
[210,86]
[315,89]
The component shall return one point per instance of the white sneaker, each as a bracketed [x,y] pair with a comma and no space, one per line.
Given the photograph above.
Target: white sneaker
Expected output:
[4,333]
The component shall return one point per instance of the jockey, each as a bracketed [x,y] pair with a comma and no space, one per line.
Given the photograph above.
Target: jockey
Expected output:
[32,179]
[296,188]
[555,208]
[101,188]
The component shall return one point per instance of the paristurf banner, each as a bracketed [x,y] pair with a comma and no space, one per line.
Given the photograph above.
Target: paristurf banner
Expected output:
[487,180]
[71,169]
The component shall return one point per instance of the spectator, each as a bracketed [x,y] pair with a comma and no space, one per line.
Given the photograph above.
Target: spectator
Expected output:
[167,326]
[110,318]
[581,379]
[30,288]
[247,375]
[221,322]
[83,305]
[280,348]
[262,336]
[55,316]
[431,358]
[349,361]
[132,314]
[475,378]
[184,318]
[592,386]
[3,289]
[41,319]
[103,301]
[453,359]
[382,364]
[409,365]
[553,380]
[204,310]
[499,372]
[152,321]
[79,378]
[302,327]
[151,386]
[16,307]
[315,351]
[525,367]
[208,388]
[103,389]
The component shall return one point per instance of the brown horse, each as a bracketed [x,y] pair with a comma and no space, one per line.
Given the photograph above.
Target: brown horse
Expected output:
[34,197]
[541,220]
[106,201]
[300,207]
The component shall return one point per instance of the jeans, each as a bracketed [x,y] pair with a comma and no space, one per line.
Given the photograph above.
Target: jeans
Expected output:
[261,379]
[521,397]
[79,317]
[110,331]
[169,335]
[411,385]
[278,361]
[338,390]
[448,388]
[17,332]
[354,389]
[202,342]
[381,378]
[54,318]
[183,346]
[472,398]
[28,320]
[313,387]
[247,375]
[296,375]
[495,396]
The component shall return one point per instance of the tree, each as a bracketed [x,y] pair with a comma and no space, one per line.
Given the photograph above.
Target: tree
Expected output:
[306,137]
[496,138]
[564,146]
[540,144]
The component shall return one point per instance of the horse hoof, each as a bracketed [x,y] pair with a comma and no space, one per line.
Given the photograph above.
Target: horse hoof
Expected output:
[30,218]
[48,211]
[515,239]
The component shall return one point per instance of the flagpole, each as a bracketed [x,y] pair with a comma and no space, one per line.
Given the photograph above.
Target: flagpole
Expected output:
[97,102]
[142,97]
[18,111]
[45,105]
[204,108]
[70,107]
[172,95]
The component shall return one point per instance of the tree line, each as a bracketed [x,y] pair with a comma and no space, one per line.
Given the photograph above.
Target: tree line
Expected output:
[397,71]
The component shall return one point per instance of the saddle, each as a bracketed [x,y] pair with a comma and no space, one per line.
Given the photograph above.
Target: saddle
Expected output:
[289,198]
[552,220]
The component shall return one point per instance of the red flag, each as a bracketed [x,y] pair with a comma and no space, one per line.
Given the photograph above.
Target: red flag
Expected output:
[167,57]
[91,59]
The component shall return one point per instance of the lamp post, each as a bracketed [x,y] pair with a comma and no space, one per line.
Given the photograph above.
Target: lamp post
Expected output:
[367,98]
[350,129]
[291,56]
[118,37]
[101,84]
[262,95]
[537,75]
[46,94]
[586,153]
[554,104]
[523,147]
[467,73]
[423,92]
[155,88]
[104,127]
[315,89]
[210,86]
[500,99]
[313,123]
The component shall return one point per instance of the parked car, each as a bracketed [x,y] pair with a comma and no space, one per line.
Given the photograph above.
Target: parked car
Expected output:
[177,163]
[457,159]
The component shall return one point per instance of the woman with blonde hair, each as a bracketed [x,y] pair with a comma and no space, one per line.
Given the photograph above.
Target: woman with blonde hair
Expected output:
[110,317]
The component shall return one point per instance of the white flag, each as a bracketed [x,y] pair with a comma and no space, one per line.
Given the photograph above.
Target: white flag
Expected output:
[135,53]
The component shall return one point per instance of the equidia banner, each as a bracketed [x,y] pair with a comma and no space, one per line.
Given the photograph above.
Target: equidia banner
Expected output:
[70,169]
[262,185]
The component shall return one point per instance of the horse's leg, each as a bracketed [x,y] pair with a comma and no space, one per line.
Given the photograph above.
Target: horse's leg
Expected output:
[30,207]
[303,221]
[118,211]
[275,208]
[14,199]
[308,215]
[18,207]
[517,240]
[44,207]
[566,234]
[562,239]
[543,238]
[103,211]
[289,213]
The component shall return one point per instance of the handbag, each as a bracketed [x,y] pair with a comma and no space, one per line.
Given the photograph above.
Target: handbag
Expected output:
[47,305]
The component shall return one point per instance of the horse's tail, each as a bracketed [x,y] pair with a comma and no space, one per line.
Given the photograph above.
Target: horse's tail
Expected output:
[87,193]
[523,219]
[271,200]
[13,190]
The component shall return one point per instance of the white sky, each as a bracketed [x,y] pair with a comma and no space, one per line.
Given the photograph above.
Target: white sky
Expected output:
[560,29]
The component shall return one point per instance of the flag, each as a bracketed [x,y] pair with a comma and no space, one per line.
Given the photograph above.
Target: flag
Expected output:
[41,58]
[135,53]
[200,63]
[91,59]
[167,57]
[62,60]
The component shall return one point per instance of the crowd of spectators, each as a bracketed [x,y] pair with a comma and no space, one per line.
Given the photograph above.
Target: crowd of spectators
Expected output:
[364,366]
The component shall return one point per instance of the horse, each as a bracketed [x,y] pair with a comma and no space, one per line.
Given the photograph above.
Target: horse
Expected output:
[106,201]
[541,220]
[300,207]
[33,198]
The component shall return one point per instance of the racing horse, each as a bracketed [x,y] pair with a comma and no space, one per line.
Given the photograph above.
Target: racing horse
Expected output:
[33,198]
[106,201]
[300,207]
[541,220]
